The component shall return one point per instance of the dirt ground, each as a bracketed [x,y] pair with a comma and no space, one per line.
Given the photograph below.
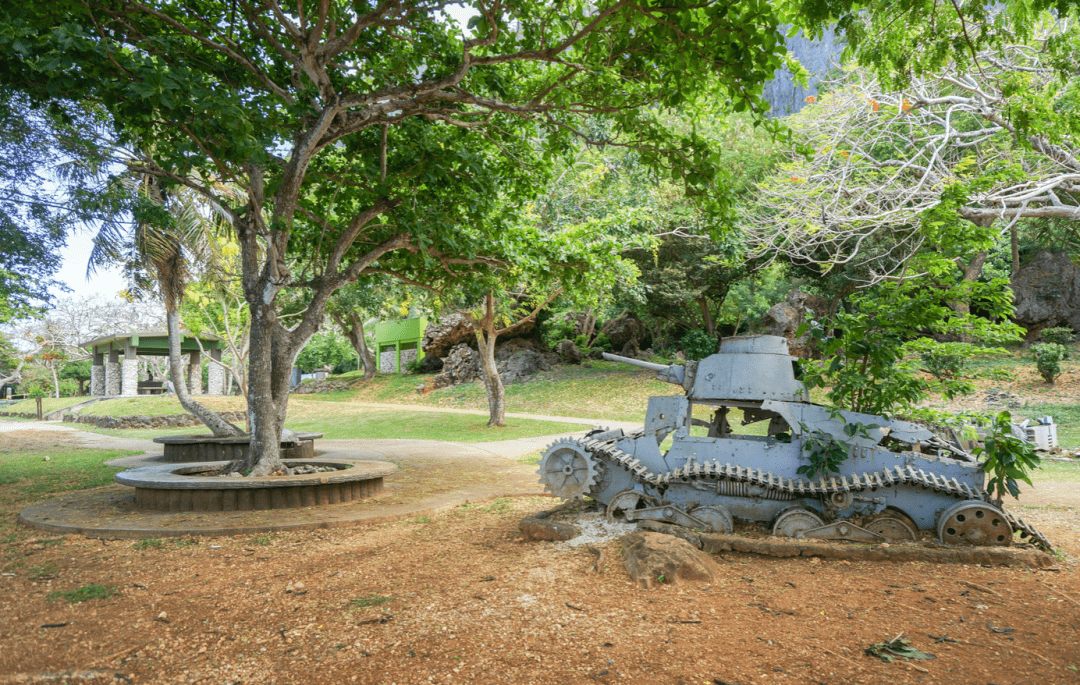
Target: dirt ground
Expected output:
[456,598]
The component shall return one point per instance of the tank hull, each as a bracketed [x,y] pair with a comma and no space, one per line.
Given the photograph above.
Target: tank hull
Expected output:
[689,465]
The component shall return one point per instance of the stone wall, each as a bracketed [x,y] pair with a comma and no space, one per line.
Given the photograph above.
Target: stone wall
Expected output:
[387,361]
[168,421]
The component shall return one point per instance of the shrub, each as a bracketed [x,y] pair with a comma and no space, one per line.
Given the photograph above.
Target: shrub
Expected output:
[698,344]
[555,330]
[1060,335]
[1048,358]
[942,365]
[414,366]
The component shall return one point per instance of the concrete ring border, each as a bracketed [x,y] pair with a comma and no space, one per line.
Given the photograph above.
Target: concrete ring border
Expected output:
[230,440]
[174,477]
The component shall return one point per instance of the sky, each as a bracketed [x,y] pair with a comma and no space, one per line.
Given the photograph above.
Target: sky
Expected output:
[103,284]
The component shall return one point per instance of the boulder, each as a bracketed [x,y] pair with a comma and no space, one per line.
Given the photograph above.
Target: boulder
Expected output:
[451,330]
[533,528]
[657,558]
[522,365]
[568,352]
[462,364]
[622,329]
[784,319]
[631,349]
[508,348]
[1047,293]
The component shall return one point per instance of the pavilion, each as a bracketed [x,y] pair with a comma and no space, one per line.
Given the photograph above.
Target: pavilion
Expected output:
[111,377]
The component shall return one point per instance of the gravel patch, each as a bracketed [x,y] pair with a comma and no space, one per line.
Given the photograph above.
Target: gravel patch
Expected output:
[595,529]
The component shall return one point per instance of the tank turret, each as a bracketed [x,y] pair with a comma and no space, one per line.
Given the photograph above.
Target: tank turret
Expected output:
[749,368]
[738,447]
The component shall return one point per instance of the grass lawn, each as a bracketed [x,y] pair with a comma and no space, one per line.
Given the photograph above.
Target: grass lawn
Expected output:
[156,405]
[602,391]
[26,477]
[1057,472]
[48,404]
[344,421]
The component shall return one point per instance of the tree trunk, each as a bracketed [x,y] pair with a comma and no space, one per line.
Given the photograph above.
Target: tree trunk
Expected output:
[971,274]
[496,393]
[706,317]
[485,339]
[56,382]
[270,363]
[352,325]
[217,425]
[588,326]
[1014,240]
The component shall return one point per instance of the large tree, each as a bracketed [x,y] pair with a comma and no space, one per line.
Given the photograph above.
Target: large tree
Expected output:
[360,132]
[357,131]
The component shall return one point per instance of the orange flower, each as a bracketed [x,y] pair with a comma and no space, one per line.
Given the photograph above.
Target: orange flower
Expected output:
[811,99]
[845,154]
[874,106]
[906,106]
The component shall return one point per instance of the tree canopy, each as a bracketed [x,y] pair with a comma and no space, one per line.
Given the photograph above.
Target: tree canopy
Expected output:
[364,133]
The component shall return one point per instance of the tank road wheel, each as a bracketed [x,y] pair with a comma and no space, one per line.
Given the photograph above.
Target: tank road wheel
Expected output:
[716,517]
[974,523]
[793,522]
[567,470]
[625,503]
[894,526]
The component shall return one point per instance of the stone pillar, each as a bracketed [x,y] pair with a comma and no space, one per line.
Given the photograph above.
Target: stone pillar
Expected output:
[97,375]
[195,374]
[216,375]
[112,373]
[130,381]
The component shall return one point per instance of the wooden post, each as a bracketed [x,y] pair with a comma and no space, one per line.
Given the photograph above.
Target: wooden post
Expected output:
[39,415]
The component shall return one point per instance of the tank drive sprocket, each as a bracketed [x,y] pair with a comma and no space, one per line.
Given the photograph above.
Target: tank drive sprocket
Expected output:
[568,470]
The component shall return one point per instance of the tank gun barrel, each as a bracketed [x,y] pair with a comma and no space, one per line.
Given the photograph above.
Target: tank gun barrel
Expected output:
[675,373]
[635,362]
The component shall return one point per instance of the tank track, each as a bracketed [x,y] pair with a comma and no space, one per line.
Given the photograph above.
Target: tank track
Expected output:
[799,487]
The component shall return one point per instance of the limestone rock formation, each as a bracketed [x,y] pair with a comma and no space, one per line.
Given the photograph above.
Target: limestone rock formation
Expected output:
[522,365]
[1047,293]
[452,329]
[784,319]
[622,329]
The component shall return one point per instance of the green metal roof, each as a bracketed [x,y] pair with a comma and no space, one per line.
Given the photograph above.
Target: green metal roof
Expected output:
[152,343]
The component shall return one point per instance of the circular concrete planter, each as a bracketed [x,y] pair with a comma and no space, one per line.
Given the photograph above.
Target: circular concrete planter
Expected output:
[170,488]
[185,448]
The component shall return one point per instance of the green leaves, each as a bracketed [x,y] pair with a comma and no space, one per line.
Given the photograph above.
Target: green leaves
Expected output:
[1006,458]
[824,454]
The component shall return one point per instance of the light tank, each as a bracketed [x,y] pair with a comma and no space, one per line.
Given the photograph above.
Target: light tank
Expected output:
[899,482]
